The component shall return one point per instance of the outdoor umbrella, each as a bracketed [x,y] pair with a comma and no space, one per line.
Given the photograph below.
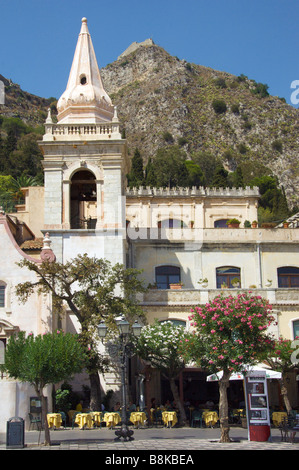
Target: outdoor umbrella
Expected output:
[270,374]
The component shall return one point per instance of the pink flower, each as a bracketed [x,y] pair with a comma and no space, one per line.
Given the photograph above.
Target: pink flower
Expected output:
[213,331]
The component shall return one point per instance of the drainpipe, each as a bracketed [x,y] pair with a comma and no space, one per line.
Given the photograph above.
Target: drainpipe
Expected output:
[259,260]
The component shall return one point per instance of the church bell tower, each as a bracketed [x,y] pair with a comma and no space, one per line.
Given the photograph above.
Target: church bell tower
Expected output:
[85,163]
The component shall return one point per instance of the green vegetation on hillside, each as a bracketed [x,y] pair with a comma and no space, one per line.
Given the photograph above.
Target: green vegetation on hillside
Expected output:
[171,168]
[20,160]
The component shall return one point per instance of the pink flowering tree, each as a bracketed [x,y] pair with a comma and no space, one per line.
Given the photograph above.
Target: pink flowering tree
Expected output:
[284,359]
[228,333]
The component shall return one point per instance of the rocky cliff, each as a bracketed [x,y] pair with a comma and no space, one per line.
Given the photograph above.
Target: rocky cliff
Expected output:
[163,100]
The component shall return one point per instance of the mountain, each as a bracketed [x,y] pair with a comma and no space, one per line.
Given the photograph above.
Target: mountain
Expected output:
[164,101]
[30,108]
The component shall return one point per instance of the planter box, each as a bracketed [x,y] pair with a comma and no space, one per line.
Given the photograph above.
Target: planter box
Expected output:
[175,286]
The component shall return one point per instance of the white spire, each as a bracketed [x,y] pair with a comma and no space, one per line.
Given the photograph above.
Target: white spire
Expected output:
[84,100]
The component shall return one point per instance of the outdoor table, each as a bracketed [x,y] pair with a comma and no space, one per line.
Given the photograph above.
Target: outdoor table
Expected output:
[97,417]
[84,420]
[111,419]
[54,420]
[210,417]
[169,417]
[138,417]
[278,416]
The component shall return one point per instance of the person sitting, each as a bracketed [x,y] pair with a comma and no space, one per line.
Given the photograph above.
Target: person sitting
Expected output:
[131,406]
[209,405]
[116,407]
[167,406]
[79,407]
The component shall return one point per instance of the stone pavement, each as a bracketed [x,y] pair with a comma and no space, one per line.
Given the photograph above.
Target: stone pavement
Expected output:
[150,442]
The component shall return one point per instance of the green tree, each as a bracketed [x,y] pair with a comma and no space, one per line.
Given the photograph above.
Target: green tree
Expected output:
[220,177]
[150,175]
[42,360]
[195,174]
[229,334]
[93,290]
[159,344]
[136,176]
[169,163]
[219,106]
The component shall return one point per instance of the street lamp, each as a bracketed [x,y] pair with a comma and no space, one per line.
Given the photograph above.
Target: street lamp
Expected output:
[125,348]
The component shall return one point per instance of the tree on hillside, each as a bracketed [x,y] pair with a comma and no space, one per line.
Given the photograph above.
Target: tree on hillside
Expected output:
[229,334]
[94,290]
[159,344]
[150,175]
[136,176]
[42,360]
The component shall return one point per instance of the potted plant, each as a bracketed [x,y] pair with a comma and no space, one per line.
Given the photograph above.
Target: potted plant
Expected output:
[152,286]
[203,282]
[236,282]
[254,224]
[269,283]
[285,224]
[223,285]
[233,223]
[176,285]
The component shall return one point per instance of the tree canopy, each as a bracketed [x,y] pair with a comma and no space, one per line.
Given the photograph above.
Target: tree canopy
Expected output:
[94,290]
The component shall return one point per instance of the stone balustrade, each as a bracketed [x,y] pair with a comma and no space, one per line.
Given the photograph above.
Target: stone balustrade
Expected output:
[78,131]
[189,297]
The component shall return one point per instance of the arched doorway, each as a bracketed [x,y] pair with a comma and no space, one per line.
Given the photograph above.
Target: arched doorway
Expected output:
[83,200]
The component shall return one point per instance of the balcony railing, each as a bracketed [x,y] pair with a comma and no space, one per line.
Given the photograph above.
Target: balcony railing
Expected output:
[188,297]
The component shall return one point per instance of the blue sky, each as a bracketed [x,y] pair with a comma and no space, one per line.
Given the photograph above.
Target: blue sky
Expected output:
[258,38]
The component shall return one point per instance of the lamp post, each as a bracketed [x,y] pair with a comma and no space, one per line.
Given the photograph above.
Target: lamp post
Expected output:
[125,348]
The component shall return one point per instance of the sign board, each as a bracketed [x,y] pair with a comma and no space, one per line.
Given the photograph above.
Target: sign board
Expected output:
[257,405]
[35,405]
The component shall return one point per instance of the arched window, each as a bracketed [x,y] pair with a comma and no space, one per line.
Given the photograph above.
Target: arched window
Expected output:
[2,294]
[296,328]
[83,200]
[2,351]
[226,274]
[288,276]
[221,223]
[166,275]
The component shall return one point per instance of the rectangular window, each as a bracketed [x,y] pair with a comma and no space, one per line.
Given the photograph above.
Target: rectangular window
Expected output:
[2,296]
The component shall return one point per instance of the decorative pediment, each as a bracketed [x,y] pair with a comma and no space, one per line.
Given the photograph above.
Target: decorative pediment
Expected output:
[6,328]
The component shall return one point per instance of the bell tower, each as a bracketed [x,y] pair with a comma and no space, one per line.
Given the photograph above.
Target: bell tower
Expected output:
[85,163]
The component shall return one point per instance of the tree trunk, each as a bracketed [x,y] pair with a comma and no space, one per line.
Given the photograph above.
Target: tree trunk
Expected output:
[223,407]
[95,392]
[284,393]
[45,426]
[176,397]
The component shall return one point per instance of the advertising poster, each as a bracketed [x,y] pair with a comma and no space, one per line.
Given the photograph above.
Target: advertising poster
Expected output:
[257,404]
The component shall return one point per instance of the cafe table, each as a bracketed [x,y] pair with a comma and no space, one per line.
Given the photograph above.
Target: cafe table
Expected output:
[96,417]
[169,418]
[111,419]
[54,420]
[84,420]
[278,416]
[210,417]
[138,418]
